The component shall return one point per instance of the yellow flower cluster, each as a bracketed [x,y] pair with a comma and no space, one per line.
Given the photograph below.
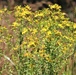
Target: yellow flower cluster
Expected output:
[22,12]
[24,30]
[56,6]
[40,14]
[28,54]
[38,28]
[74,26]
[15,24]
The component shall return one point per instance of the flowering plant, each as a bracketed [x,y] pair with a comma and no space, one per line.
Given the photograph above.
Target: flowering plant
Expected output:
[39,42]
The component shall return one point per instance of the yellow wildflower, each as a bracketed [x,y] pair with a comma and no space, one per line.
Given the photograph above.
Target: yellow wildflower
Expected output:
[57,32]
[67,24]
[24,43]
[74,26]
[64,50]
[40,14]
[31,43]
[58,42]
[22,14]
[55,6]
[70,45]
[34,31]
[16,47]
[24,30]
[18,7]
[74,32]
[28,54]
[43,30]
[42,54]
[49,32]
[15,24]
[41,51]
[42,46]
[66,37]
[56,17]
[61,26]
[27,7]
[48,59]
[71,39]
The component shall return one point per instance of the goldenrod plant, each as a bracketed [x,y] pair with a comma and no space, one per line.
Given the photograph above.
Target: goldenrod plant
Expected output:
[41,42]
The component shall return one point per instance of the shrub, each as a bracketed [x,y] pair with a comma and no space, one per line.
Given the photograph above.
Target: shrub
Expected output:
[41,42]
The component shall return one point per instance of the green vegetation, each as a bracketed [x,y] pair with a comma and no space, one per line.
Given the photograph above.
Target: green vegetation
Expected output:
[38,43]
